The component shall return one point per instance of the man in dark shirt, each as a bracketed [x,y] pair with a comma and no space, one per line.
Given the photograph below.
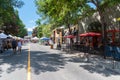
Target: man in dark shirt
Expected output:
[14,45]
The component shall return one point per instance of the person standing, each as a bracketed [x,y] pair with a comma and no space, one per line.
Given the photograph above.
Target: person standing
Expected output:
[19,46]
[14,45]
[51,43]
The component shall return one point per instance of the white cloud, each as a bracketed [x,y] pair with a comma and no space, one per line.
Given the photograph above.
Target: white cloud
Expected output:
[30,28]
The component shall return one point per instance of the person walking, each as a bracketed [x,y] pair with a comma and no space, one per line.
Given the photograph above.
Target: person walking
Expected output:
[19,46]
[14,45]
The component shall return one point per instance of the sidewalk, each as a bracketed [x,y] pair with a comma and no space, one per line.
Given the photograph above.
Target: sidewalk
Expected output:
[109,64]
[99,61]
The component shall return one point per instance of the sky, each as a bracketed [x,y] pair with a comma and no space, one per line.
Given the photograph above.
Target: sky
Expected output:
[28,14]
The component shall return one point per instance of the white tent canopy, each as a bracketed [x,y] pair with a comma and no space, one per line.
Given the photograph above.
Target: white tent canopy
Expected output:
[2,35]
[10,35]
[44,38]
[35,38]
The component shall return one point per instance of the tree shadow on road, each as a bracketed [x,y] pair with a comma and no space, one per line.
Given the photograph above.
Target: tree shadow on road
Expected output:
[95,68]
[46,62]
[10,62]
[95,65]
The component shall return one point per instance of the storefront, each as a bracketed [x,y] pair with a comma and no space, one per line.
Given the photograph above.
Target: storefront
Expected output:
[112,48]
[91,40]
[93,37]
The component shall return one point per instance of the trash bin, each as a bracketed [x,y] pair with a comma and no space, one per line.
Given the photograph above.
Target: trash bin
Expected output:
[51,46]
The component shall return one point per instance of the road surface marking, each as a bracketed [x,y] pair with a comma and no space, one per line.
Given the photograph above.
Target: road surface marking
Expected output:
[29,68]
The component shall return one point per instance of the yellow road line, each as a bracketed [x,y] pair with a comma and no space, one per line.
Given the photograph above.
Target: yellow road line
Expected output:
[29,68]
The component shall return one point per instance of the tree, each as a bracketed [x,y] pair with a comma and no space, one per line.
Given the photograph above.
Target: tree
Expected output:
[46,30]
[43,30]
[67,12]
[22,31]
[55,10]
[8,17]
[39,33]
[34,33]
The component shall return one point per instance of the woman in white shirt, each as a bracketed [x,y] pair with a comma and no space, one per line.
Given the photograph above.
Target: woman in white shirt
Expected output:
[19,46]
[51,43]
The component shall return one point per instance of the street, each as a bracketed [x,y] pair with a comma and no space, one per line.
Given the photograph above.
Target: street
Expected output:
[49,64]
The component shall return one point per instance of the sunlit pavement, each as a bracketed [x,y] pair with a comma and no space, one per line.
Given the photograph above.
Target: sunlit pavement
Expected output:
[51,64]
[13,66]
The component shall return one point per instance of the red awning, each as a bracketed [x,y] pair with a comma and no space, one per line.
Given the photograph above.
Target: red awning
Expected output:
[90,34]
[69,36]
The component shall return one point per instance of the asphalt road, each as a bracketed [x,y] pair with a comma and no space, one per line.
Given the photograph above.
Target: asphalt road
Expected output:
[49,64]
[13,66]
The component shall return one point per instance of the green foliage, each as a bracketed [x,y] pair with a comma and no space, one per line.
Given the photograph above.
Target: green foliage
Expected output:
[63,12]
[9,16]
[7,9]
[67,12]
[38,22]
[22,31]
[39,33]
[43,30]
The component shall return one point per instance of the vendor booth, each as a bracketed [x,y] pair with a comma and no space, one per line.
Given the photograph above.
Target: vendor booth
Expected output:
[93,39]
[35,39]
[69,40]
[44,40]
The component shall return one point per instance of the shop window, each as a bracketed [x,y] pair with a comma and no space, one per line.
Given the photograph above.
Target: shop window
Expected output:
[117,37]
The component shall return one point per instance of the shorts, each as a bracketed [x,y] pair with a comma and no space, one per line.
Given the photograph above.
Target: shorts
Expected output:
[19,47]
[14,47]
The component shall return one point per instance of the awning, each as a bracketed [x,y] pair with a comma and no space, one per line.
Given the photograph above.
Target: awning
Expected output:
[44,38]
[2,35]
[35,38]
[91,34]
[69,36]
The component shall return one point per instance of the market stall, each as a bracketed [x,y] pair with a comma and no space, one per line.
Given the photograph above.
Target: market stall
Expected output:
[68,42]
[44,40]
[35,39]
[92,39]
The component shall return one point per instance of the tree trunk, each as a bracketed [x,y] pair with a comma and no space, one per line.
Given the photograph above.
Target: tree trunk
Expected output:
[104,35]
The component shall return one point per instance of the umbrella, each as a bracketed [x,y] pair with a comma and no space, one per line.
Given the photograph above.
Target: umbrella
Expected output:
[45,38]
[69,36]
[92,34]
[2,35]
